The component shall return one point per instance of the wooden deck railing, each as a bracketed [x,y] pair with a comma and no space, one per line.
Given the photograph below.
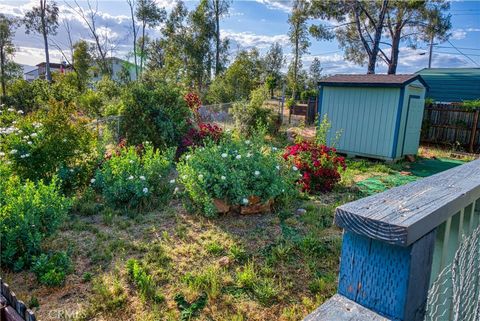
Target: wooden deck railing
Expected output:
[398,244]
[12,309]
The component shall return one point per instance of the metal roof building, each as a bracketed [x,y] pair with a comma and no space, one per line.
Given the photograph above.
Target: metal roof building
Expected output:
[452,84]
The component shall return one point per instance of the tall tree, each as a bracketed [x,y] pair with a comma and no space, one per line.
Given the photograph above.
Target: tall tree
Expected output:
[81,63]
[274,60]
[298,34]
[360,25]
[149,15]
[314,73]
[103,44]
[219,8]
[132,5]
[7,49]
[43,20]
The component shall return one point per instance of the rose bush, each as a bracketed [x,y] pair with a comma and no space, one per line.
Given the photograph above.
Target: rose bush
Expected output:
[135,178]
[236,172]
[319,165]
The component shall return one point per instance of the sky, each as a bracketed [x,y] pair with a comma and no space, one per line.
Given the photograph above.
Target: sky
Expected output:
[253,24]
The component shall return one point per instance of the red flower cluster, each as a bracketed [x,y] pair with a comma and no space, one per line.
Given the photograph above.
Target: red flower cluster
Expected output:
[318,164]
[120,146]
[196,136]
[193,101]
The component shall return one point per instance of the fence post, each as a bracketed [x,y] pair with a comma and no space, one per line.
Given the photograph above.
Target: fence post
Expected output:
[473,132]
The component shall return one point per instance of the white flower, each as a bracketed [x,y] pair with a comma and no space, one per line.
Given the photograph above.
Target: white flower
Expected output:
[277,167]
[245,201]
[2,154]
[184,177]
[188,157]
[92,180]
[249,155]
[142,178]
[295,168]
[11,109]
[145,190]
[131,161]
[33,135]
[223,178]
[20,112]
[224,155]
[238,156]
[29,143]
[200,176]
[13,151]
[176,190]
[130,177]
[71,170]
[247,142]
[27,155]
[26,137]
[274,149]
[172,181]
[64,140]
[257,173]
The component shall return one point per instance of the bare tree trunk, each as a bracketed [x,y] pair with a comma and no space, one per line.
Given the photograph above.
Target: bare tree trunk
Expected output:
[131,3]
[217,36]
[2,67]
[393,63]
[142,48]
[48,75]
[295,65]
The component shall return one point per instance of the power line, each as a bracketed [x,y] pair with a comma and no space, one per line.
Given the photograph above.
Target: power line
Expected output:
[463,48]
[451,44]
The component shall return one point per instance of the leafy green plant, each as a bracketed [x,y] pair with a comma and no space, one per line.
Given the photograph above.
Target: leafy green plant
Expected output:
[143,281]
[133,179]
[189,311]
[29,212]
[208,281]
[236,172]
[471,104]
[47,143]
[51,269]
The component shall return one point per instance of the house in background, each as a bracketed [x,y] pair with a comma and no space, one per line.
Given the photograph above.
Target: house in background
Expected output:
[451,85]
[119,69]
[377,116]
[40,70]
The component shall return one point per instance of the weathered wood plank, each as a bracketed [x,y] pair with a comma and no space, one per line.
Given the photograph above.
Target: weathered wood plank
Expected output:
[404,214]
[339,308]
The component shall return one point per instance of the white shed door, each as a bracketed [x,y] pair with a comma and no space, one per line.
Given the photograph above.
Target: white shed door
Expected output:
[413,125]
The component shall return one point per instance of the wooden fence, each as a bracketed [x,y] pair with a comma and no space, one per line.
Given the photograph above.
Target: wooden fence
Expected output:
[411,249]
[12,309]
[450,124]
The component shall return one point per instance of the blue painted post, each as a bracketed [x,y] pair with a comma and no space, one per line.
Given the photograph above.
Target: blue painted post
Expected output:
[390,280]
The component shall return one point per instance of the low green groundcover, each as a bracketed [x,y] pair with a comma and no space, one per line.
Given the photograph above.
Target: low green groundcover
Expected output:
[419,169]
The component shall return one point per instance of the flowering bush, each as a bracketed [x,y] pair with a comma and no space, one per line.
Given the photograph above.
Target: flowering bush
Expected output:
[133,178]
[236,172]
[197,137]
[193,101]
[47,143]
[29,212]
[318,164]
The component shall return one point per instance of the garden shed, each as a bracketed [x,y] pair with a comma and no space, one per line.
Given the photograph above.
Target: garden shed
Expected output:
[377,116]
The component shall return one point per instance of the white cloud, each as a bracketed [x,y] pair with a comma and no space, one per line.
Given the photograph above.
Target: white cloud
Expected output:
[458,34]
[250,40]
[283,5]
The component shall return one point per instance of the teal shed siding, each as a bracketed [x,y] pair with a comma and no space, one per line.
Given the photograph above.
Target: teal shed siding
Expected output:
[373,121]
[452,84]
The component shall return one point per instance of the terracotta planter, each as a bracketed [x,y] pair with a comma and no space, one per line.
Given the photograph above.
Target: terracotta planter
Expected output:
[254,206]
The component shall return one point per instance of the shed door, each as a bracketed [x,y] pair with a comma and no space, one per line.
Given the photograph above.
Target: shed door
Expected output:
[413,125]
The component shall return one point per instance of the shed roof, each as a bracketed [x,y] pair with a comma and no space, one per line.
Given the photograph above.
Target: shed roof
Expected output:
[452,84]
[371,80]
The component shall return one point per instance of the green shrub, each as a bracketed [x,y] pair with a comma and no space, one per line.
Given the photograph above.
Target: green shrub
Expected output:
[143,281]
[155,113]
[29,212]
[52,269]
[471,104]
[234,171]
[132,179]
[48,143]
[252,115]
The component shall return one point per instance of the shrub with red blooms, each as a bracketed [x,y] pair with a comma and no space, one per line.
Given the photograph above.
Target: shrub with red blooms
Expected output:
[193,101]
[197,136]
[122,145]
[319,165]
